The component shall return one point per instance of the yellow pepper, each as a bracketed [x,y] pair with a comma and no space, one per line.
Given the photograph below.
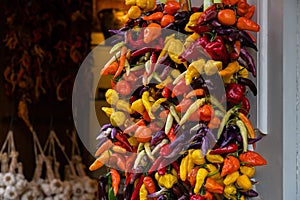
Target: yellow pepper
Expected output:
[214,158]
[157,103]
[134,12]
[147,104]
[164,82]
[190,162]
[166,180]
[231,68]
[130,2]
[133,141]
[117,119]
[230,192]
[183,168]
[108,111]
[242,198]
[143,192]
[248,170]
[138,106]
[211,67]
[231,178]
[124,106]
[190,39]
[244,182]
[111,96]
[200,177]
[197,157]
[243,72]
[214,173]
[175,49]
[194,70]
[192,21]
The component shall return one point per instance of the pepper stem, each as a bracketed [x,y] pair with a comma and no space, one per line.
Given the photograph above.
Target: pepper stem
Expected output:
[207,4]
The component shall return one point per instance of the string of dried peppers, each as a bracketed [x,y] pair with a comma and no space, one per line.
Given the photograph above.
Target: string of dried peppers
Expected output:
[172,135]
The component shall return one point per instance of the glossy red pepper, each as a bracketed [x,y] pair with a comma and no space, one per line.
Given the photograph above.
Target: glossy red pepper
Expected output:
[235,92]
[197,197]
[230,148]
[166,92]
[245,105]
[217,50]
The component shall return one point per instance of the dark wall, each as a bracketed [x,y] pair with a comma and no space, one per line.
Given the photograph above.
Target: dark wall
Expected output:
[45,114]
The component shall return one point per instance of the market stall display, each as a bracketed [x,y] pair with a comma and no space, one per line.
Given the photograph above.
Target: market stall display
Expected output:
[179,117]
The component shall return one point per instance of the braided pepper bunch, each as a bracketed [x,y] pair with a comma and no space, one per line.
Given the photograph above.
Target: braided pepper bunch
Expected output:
[172,133]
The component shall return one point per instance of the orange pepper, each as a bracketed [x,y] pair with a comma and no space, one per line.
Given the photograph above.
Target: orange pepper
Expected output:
[196,92]
[110,69]
[252,158]
[166,20]
[244,23]
[231,164]
[121,62]
[184,105]
[143,134]
[150,185]
[152,32]
[154,16]
[230,2]
[206,112]
[171,7]
[115,179]
[192,176]
[227,17]
[214,123]
[213,186]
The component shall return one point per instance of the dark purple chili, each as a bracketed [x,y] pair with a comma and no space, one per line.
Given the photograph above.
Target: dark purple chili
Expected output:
[247,40]
[250,193]
[249,83]
[216,23]
[157,137]
[162,197]
[226,31]
[245,55]
[210,16]
[200,28]
[102,182]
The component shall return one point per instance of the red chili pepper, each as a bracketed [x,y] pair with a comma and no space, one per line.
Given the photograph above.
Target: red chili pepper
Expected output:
[230,148]
[162,171]
[153,63]
[171,135]
[245,105]
[124,142]
[140,52]
[202,17]
[200,29]
[135,194]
